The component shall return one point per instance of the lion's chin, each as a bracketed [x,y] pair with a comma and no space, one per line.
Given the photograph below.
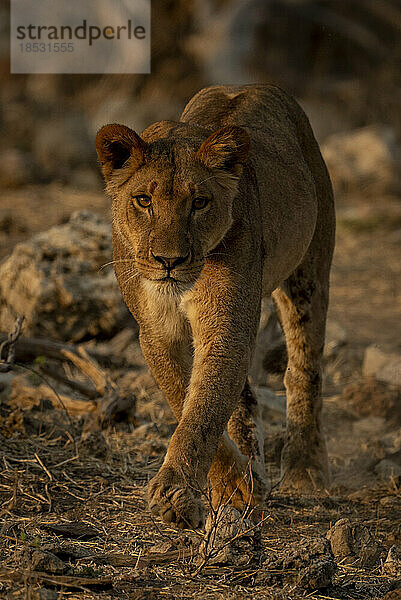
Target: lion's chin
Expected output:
[169,285]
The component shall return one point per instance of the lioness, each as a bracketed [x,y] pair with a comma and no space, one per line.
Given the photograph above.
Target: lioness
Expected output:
[231,203]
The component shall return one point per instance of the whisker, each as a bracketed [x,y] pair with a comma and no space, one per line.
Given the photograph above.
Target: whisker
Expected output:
[147,265]
[217,254]
[112,262]
[124,283]
[130,271]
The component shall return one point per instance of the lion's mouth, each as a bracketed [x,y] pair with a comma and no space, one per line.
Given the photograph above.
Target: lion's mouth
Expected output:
[172,283]
[169,277]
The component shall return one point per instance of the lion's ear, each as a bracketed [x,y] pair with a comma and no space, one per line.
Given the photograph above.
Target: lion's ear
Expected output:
[115,145]
[225,149]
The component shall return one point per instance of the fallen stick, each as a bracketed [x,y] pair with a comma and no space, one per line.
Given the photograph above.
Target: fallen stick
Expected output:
[104,402]
[26,396]
[7,347]
[27,349]
[26,575]
[90,369]
[78,386]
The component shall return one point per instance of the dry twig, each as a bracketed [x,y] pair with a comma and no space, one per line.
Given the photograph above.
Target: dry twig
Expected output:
[7,348]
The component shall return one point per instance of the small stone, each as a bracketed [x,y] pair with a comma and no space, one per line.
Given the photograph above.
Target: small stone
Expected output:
[383,364]
[48,562]
[230,538]
[46,594]
[352,543]
[387,468]
[392,564]
[318,575]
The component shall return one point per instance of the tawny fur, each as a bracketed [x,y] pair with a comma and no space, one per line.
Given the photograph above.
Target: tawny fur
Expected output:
[267,229]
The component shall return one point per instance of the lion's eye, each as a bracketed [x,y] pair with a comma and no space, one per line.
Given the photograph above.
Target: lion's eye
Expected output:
[199,203]
[143,200]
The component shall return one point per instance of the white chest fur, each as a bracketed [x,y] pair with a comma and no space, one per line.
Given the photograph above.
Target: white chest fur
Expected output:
[164,304]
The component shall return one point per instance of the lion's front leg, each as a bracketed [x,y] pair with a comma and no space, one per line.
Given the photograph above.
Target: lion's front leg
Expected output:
[223,338]
[302,307]
[216,383]
[173,493]
[170,361]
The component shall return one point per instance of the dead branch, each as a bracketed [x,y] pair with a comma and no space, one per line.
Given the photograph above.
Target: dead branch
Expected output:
[104,402]
[78,386]
[27,349]
[90,369]
[7,348]
[26,396]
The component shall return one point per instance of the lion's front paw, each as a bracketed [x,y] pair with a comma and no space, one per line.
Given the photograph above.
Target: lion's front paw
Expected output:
[171,498]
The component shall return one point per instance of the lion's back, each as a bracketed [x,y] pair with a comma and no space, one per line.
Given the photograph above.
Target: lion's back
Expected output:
[256,106]
[275,122]
[294,189]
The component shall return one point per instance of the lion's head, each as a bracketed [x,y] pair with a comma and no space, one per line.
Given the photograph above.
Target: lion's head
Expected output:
[172,190]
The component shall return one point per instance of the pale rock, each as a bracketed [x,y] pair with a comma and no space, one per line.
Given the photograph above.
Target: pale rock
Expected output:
[366,159]
[392,564]
[54,280]
[382,364]
[353,544]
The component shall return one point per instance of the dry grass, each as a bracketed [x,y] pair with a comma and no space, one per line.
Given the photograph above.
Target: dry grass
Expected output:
[113,547]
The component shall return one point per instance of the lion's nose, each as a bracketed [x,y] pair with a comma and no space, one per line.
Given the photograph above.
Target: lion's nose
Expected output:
[170,262]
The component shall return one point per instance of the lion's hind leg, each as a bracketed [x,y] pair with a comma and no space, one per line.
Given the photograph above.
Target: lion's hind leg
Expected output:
[238,473]
[302,307]
[245,428]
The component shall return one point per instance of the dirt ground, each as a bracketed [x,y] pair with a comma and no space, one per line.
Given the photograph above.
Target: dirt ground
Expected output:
[74,519]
